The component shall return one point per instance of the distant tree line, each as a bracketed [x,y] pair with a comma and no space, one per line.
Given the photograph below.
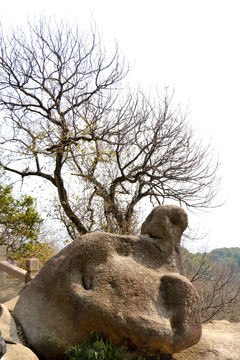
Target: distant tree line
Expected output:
[228,255]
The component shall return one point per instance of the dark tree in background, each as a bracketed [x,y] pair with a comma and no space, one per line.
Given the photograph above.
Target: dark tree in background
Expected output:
[66,118]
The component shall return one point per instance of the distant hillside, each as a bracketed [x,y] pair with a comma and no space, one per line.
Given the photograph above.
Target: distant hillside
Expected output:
[230,255]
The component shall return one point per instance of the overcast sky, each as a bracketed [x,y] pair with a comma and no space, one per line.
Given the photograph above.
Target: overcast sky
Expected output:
[190,46]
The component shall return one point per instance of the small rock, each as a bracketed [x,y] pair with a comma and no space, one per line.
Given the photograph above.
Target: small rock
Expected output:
[9,330]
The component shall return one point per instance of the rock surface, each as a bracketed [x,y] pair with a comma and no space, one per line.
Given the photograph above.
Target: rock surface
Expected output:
[166,224]
[9,331]
[220,341]
[126,287]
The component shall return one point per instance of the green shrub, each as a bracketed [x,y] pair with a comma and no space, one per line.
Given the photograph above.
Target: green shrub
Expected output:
[96,348]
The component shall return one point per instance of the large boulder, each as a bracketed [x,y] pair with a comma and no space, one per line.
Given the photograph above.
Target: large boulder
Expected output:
[125,287]
[219,341]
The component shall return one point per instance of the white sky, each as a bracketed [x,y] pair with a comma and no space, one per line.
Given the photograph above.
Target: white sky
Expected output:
[192,46]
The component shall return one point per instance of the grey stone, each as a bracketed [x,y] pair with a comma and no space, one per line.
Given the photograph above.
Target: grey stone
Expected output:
[9,330]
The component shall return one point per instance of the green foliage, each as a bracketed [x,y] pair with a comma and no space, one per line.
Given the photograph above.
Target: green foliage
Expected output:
[54,338]
[96,348]
[229,255]
[20,225]
[32,249]
[18,216]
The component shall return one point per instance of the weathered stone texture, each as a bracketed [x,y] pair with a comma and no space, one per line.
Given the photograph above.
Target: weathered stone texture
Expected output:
[126,287]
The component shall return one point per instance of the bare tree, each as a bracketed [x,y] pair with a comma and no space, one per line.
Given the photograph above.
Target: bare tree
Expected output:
[65,119]
[221,290]
[217,283]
